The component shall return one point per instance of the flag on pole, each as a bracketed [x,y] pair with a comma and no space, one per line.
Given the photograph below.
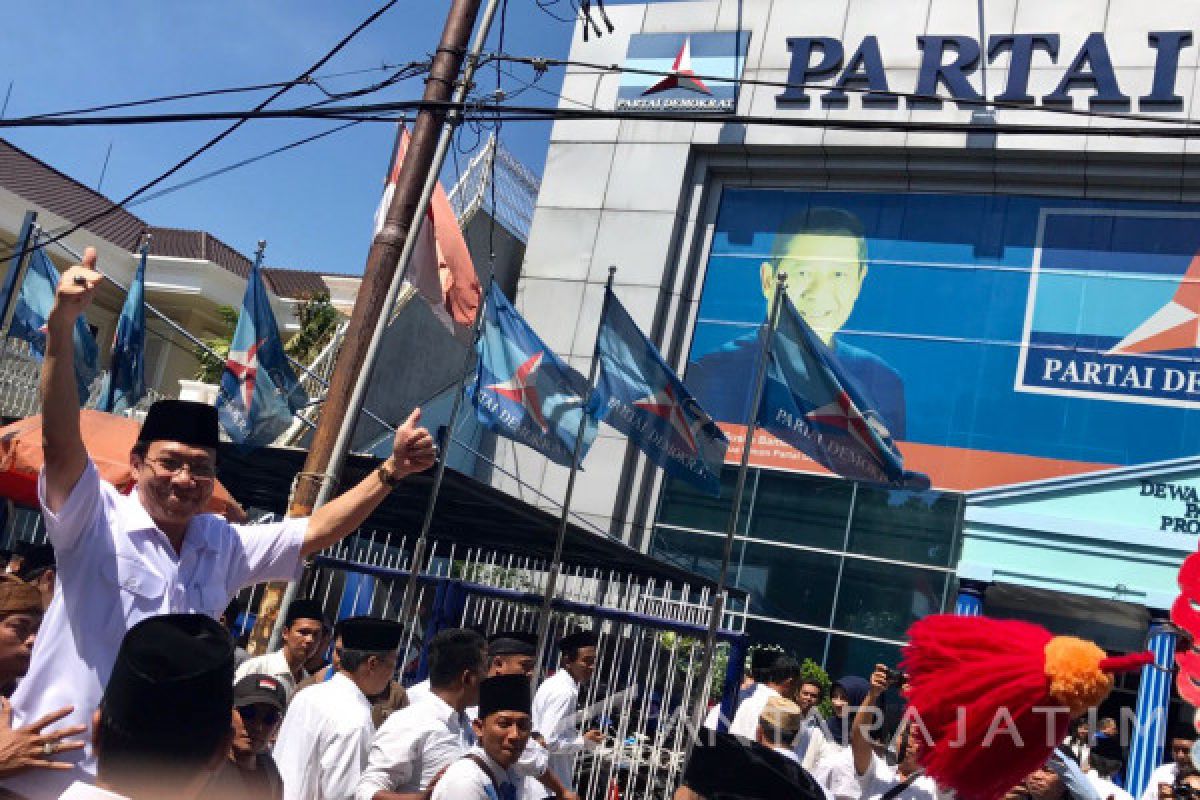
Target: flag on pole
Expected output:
[33,309]
[810,402]
[259,391]
[441,270]
[640,396]
[126,383]
[522,390]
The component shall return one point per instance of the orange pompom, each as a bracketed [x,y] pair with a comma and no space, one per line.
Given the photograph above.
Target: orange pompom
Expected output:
[1076,680]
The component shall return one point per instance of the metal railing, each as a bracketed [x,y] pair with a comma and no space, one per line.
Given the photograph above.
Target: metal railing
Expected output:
[516,190]
[651,636]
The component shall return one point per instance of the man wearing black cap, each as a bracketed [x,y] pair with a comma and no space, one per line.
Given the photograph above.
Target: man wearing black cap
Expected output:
[502,730]
[250,773]
[124,558]
[327,732]
[554,709]
[163,726]
[392,698]
[774,672]
[303,628]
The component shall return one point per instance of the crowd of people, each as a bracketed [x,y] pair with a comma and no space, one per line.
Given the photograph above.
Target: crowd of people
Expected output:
[868,749]
[119,680]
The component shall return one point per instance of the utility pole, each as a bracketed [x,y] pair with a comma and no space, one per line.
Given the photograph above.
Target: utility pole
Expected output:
[315,483]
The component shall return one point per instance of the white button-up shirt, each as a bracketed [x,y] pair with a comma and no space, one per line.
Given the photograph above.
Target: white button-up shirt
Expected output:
[275,665]
[324,741]
[464,780]
[554,708]
[840,780]
[413,745]
[745,721]
[116,568]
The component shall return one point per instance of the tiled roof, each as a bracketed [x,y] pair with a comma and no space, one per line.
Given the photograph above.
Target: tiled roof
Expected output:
[43,185]
[294,284]
[182,243]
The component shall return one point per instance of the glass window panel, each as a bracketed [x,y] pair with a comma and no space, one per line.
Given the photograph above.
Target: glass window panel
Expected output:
[791,585]
[800,642]
[686,506]
[906,526]
[801,509]
[880,599]
[851,656]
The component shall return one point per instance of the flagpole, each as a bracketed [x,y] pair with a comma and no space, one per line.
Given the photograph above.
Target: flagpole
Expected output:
[422,543]
[543,620]
[383,278]
[16,276]
[721,596]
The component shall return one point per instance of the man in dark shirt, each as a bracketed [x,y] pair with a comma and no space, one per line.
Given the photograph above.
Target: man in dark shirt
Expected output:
[250,773]
[823,252]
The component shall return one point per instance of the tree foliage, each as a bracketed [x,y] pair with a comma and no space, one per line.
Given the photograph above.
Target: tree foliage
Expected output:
[212,364]
[318,321]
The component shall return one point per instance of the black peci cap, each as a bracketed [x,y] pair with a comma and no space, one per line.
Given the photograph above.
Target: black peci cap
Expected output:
[173,679]
[304,609]
[504,693]
[370,634]
[512,643]
[182,421]
[574,641]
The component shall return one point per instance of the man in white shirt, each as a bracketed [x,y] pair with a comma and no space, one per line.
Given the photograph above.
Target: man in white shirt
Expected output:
[164,726]
[1181,743]
[858,773]
[502,729]
[326,734]
[418,742]
[1105,759]
[123,558]
[554,708]
[775,674]
[303,628]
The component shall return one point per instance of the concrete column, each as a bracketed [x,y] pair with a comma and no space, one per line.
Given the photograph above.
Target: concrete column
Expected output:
[969,602]
[1154,695]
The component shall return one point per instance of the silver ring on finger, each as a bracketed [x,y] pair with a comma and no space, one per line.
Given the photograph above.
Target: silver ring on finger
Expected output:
[49,749]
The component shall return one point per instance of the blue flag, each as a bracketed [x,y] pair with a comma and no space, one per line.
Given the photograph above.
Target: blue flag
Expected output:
[33,309]
[126,383]
[810,402]
[639,395]
[259,391]
[522,390]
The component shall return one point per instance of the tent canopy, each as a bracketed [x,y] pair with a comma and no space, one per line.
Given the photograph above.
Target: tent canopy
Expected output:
[469,514]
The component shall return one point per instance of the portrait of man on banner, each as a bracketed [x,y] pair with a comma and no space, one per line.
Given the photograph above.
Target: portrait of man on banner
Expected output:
[823,252]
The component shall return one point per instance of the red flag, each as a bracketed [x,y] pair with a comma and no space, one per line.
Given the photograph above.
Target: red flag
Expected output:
[441,270]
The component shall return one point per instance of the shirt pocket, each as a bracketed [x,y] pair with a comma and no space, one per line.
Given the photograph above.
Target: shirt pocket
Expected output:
[139,588]
[209,598]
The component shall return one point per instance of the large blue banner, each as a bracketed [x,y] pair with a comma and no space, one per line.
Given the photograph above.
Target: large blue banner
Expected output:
[1002,338]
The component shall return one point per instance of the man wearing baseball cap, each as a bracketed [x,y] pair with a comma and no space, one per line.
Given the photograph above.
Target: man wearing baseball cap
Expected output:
[250,772]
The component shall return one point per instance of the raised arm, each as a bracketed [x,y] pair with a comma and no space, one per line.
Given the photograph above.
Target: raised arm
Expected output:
[62,444]
[412,451]
[860,738]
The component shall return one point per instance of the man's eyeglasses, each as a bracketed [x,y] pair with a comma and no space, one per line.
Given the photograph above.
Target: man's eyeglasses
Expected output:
[264,714]
[201,473]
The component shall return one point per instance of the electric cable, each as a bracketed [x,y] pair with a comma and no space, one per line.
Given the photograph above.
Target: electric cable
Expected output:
[212,142]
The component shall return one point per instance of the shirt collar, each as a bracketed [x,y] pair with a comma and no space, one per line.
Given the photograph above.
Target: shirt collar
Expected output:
[197,536]
[498,771]
[442,711]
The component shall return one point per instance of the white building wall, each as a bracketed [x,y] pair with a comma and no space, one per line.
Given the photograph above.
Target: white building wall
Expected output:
[639,194]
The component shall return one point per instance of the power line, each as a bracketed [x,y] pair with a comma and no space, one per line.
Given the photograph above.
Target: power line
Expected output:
[301,78]
[474,110]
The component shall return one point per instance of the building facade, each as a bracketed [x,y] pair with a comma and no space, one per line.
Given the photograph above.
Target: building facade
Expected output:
[989,218]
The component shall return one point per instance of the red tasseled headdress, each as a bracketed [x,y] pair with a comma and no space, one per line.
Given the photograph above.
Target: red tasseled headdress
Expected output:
[975,684]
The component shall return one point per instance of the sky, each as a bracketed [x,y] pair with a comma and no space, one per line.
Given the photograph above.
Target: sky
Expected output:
[314,205]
